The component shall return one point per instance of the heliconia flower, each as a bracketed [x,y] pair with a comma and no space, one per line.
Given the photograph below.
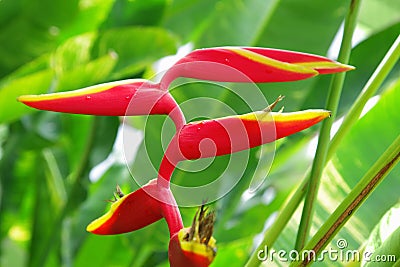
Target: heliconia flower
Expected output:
[192,246]
[120,98]
[250,64]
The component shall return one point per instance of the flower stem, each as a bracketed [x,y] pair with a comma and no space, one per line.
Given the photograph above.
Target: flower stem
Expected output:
[169,206]
[170,160]
[324,137]
[370,88]
[353,201]
[293,202]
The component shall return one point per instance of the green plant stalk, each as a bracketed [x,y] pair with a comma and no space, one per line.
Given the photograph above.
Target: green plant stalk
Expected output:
[53,239]
[288,209]
[353,201]
[370,88]
[324,137]
[54,179]
[36,222]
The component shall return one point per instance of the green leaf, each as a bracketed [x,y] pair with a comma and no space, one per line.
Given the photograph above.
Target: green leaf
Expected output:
[135,47]
[233,254]
[142,13]
[98,145]
[293,25]
[183,17]
[30,33]
[105,132]
[93,72]
[384,239]
[36,83]
[74,137]
[55,183]
[73,52]
[59,12]
[371,17]
[113,57]
[91,15]
[237,15]
[40,214]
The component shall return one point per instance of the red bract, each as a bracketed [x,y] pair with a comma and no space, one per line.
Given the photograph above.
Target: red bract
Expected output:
[245,64]
[236,133]
[192,246]
[224,64]
[195,255]
[130,212]
[121,98]
[227,135]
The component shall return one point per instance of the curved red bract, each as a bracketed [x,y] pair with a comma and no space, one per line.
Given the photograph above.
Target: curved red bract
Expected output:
[132,97]
[228,135]
[132,212]
[122,98]
[250,64]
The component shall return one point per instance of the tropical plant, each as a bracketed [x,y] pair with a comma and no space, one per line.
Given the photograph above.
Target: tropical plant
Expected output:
[195,245]
[56,169]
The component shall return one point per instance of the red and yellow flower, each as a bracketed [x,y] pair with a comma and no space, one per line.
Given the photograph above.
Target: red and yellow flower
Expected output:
[192,246]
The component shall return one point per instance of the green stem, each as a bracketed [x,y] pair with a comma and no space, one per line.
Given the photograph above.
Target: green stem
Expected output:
[36,219]
[369,89]
[53,239]
[54,179]
[324,137]
[353,201]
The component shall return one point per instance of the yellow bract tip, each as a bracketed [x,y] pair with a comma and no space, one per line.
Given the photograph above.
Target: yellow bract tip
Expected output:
[80,92]
[196,247]
[103,219]
[300,115]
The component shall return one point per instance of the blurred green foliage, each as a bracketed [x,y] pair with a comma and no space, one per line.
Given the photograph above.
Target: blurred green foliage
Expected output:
[46,197]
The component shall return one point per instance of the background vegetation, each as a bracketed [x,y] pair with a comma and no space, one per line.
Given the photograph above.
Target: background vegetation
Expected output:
[46,196]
